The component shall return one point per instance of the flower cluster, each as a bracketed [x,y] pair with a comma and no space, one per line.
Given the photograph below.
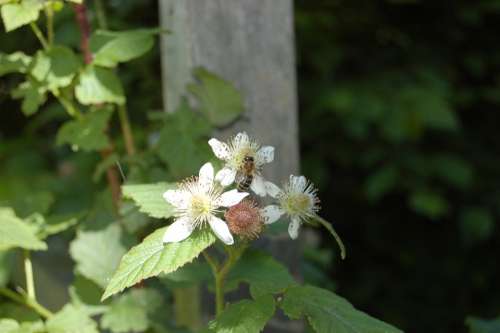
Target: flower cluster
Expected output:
[204,199]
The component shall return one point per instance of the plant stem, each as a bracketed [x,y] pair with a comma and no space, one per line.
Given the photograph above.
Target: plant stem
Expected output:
[49,14]
[28,271]
[100,12]
[39,35]
[31,303]
[329,227]
[126,130]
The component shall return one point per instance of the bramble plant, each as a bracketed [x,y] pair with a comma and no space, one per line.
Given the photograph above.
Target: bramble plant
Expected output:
[216,215]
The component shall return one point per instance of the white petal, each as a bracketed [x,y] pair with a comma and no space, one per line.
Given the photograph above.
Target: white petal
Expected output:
[178,231]
[221,230]
[206,179]
[240,139]
[225,176]
[220,149]
[265,154]
[298,183]
[271,213]
[231,198]
[258,186]
[271,189]
[293,227]
[177,198]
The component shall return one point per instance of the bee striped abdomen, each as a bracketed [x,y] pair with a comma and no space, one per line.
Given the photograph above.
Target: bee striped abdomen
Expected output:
[244,185]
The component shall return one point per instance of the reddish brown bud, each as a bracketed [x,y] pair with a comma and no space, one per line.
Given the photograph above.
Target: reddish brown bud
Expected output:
[245,219]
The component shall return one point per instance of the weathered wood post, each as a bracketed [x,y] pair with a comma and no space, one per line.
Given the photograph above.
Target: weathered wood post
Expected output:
[251,44]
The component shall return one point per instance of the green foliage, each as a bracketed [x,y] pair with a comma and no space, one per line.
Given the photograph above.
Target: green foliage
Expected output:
[262,272]
[112,48]
[247,316]
[33,95]
[71,319]
[14,232]
[476,224]
[87,132]
[219,100]
[327,312]
[477,325]
[130,312]
[55,68]
[184,133]
[16,15]
[149,198]
[98,253]
[12,326]
[152,257]
[16,62]
[429,203]
[98,85]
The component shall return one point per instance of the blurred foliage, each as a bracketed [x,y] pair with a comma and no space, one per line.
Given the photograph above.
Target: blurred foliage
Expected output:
[398,130]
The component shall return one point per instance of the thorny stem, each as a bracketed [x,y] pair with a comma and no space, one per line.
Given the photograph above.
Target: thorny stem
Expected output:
[39,35]
[220,274]
[126,130]
[31,303]
[28,271]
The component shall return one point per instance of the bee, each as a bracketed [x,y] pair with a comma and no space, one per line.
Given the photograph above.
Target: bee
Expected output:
[246,173]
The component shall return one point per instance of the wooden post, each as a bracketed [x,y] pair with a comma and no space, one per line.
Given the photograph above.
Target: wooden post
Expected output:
[251,44]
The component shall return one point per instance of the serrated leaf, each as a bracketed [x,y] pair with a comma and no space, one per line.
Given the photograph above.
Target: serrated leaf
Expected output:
[11,326]
[149,198]
[129,313]
[184,133]
[152,257]
[14,232]
[218,99]
[16,15]
[125,46]
[33,95]
[477,325]
[71,320]
[98,85]
[327,312]
[86,133]
[264,274]
[16,62]
[55,68]
[246,316]
[98,253]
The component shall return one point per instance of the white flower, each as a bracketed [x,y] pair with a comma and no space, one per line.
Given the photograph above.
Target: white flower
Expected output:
[298,200]
[196,202]
[233,154]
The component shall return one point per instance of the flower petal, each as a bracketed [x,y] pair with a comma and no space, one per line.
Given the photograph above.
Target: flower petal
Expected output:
[298,183]
[206,179]
[225,176]
[220,149]
[271,189]
[271,213]
[178,231]
[241,139]
[265,155]
[258,186]
[177,198]
[231,198]
[221,230]
[293,227]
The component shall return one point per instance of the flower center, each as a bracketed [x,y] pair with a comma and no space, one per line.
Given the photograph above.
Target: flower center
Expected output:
[201,208]
[297,204]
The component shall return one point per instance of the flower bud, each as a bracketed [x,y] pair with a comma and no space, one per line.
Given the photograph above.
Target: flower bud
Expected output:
[245,219]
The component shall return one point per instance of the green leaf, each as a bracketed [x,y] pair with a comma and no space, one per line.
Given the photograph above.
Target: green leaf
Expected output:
[429,203]
[55,67]
[184,133]
[219,100]
[327,312]
[98,253]
[11,326]
[477,325]
[129,313]
[125,46]
[152,257]
[264,274]
[52,225]
[380,182]
[16,62]
[104,165]
[476,224]
[86,133]
[246,316]
[14,232]
[6,265]
[8,325]
[98,85]
[71,320]
[149,198]
[33,94]
[16,15]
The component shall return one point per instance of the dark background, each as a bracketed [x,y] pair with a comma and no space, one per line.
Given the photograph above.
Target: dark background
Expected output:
[398,125]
